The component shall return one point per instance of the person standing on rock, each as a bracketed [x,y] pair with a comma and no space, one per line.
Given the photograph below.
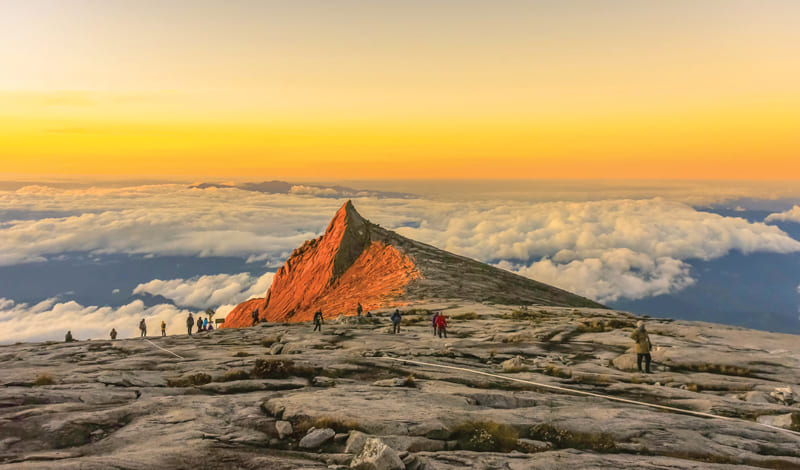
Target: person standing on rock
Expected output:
[199,324]
[163,328]
[643,346]
[205,324]
[189,323]
[359,309]
[143,328]
[113,333]
[433,322]
[318,321]
[396,319]
[254,315]
[441,324]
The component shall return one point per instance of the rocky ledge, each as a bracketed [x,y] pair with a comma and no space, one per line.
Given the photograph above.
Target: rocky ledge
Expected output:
[282,397]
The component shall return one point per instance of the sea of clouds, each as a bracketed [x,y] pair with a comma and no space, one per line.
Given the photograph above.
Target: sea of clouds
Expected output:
[604,249]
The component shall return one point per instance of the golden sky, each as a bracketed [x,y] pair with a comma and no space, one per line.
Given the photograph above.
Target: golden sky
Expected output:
[374,89]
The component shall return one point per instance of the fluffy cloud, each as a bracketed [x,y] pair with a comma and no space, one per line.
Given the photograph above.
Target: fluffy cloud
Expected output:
[51,319]
[209,291]
[792,215]
[601,249]
[605,249]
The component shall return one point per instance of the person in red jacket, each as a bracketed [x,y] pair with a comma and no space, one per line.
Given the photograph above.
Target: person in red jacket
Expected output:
[441,325]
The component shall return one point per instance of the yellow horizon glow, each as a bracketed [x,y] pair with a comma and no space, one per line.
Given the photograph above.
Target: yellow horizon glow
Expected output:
[211,89]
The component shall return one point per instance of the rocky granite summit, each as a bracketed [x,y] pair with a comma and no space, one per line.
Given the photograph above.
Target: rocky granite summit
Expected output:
[279,396]
[356,261]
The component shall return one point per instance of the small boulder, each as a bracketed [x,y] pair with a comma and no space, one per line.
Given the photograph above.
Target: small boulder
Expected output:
[321,381]
[355,443]
[784,395]
[276,349]
[781,421]
[515,364]
[532,446]
[284,429]
[756,396]
[316,438]
[396,382]
[377,456]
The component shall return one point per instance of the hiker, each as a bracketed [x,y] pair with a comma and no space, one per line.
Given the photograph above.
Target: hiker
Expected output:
[433,322]
[318,321]
[163,328]
[359,309]
[143,328]
[199,324]
[441,325]
[396,318]
[68,337]
[210,327]
[113,333]
[205,324]
[254,315]
[189,323]
[643,347]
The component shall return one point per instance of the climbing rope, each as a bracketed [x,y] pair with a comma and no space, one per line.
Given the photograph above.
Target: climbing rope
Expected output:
[591,394]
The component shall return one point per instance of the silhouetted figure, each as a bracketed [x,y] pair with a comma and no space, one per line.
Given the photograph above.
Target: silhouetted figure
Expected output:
[199,324]
[318,321]
[396,319]
[433,322]
[68,337]
[113,333]
[359,309]
[189,323]
[441,325]
[254,315]
[143,328]
[163,328]
[643,347]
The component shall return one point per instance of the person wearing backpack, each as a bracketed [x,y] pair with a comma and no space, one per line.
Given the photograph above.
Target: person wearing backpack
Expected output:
[441,325]
[396,319]
[163,328]
[189,323]
[318,321]
[113,333]
[143,328]
[643,347]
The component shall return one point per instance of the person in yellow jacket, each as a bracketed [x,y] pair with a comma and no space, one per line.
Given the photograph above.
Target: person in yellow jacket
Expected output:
[163,328]
[643,346]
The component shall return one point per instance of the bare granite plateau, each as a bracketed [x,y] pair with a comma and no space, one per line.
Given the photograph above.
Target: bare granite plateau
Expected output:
[280,396]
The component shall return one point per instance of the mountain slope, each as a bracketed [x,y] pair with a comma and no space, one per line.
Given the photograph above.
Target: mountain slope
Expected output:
[358,261]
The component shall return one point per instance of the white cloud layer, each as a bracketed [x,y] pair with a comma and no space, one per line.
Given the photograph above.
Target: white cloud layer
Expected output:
[605,249]
[51,319]
[792,215]
[209,291]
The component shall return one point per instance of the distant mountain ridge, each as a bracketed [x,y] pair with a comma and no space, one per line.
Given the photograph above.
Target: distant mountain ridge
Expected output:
[284,187]
[356,261]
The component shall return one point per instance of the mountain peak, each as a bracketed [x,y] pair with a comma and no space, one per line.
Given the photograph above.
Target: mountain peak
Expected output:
[356,261]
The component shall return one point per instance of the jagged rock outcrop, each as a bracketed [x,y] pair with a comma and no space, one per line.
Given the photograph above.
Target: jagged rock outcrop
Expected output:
[356,261]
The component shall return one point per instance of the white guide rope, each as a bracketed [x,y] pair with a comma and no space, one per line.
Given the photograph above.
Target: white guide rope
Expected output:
[163,349]
[591,394]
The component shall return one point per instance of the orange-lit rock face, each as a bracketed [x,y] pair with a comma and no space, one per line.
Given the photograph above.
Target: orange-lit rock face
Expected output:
[333,273]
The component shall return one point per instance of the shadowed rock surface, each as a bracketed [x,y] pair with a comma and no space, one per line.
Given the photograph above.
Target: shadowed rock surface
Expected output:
[357,261]
[229,403]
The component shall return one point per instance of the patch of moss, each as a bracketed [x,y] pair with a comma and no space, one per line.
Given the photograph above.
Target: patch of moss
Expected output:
[486,436]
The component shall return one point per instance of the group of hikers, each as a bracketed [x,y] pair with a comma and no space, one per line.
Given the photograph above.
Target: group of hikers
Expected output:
[203,324]
[642,345]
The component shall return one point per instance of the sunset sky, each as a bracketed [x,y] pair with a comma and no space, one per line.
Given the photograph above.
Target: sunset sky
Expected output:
[382,89]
